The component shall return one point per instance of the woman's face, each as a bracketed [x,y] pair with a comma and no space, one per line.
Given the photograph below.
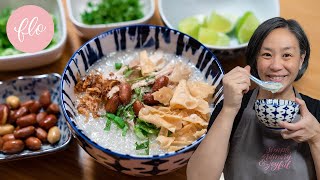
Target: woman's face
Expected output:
[279,58]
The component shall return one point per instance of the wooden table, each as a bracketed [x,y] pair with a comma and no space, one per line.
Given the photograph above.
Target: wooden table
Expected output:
[74,163]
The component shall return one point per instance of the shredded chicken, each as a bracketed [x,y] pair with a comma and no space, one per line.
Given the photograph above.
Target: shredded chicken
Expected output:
[113,91]
[158,60]
[165,71]
[145,82]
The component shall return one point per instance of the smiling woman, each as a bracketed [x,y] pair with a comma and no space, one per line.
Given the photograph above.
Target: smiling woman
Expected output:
[278,51]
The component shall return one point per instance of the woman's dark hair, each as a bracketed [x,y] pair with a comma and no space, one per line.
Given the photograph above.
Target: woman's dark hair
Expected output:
[264,30]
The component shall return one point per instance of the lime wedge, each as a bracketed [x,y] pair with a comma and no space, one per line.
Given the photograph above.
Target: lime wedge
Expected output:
[190,26]
[246,26]
[219,23]
[211,37]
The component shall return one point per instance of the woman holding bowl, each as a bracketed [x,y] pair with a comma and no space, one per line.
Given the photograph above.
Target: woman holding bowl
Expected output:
[237,144]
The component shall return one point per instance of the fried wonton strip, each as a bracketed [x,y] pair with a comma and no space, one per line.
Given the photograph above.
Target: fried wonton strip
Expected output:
[193,118]
[174,148]
[182,98]
[180,71]
[203,106]
[163,95]
[147,66]
[163,132]
[198,134]
[160,119]
[200,89]
[165,142]
[181,143]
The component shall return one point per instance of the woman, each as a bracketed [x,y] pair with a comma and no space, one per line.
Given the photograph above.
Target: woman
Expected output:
[237,143]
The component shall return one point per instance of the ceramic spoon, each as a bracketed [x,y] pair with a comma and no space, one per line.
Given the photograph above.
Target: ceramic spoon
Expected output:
[267,85]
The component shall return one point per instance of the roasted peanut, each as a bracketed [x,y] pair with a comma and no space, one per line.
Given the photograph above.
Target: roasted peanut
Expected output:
[27,104]
[48,121]
[20,112]
[35,107]
[149,100]
[45,99]
[53,109]
[1,143]
[13,146]
[11,118]
[13,102]
[54,135]
[137,105]
[33,143]
[6,129]
[112,104]
[8,137]
[4,113]
[41,134]
[24,132]
[41,116]
[27,120]
[160,82]
[125,93]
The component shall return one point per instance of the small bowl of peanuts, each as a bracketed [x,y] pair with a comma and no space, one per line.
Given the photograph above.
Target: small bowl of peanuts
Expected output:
[30,120]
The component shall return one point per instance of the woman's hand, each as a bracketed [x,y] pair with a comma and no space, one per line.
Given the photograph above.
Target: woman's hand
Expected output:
[235,84]
[307,129]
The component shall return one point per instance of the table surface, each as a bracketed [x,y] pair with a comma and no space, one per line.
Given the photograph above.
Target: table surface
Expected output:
[74,163]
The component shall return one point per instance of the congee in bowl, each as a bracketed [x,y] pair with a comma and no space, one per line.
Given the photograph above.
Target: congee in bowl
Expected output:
[142,96]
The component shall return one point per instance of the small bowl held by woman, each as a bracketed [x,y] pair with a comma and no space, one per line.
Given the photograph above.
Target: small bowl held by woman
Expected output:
[271,111]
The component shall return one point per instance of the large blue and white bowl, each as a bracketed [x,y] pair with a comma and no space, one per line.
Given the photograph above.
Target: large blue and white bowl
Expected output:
[271,111]
[129,38]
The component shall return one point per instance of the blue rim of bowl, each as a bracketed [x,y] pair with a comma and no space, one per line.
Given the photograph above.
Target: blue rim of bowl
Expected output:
[277,101]
[106,150]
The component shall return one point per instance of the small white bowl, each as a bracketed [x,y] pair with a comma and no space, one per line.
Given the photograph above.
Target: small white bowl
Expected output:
[76,7]
[46,56]
[172,12]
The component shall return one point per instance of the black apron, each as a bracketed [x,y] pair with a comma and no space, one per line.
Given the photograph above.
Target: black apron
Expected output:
[257,152]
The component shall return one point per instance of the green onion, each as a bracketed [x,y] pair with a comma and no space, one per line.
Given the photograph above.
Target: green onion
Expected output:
[108,124]
[124,130]
[144,145]
[127,73]
[112,11]
[143,129]
[118,66]
[117,120]
[138,132]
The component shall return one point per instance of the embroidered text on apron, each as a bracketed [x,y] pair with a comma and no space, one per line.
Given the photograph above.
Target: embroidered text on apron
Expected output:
[257,152]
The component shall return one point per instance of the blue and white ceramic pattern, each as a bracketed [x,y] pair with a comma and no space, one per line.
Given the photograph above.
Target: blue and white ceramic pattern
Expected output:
[136,37]
[30,87]
[270,111]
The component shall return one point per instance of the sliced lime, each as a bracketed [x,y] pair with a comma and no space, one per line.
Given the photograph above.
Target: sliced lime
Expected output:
[219,23]
[246,26]
[190,26]
[211,37]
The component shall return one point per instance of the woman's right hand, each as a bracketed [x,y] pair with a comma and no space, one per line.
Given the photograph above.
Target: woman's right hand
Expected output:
[235,84]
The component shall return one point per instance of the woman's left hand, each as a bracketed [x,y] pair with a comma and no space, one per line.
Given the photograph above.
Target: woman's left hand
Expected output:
[306,129]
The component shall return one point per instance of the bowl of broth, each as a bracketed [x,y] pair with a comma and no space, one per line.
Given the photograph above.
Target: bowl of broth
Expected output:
[138,98]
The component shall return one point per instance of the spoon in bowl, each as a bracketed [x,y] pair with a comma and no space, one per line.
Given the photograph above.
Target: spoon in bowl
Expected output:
[267,85]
